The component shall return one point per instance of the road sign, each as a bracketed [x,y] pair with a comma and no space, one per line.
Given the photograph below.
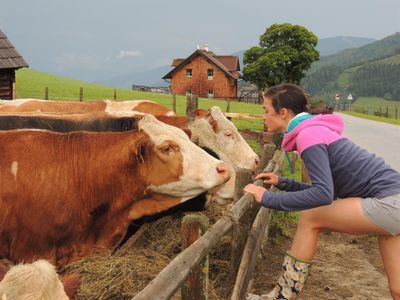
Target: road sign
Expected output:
[349,97]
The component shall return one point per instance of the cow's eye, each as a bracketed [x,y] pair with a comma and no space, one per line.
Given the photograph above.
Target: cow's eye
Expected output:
[229,134]
[166,149]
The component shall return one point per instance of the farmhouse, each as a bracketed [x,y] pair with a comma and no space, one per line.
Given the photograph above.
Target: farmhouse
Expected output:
[10,60]
[205,74]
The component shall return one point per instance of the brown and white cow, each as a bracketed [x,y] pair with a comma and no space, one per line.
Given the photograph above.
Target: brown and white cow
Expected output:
[62,195]
[76,107]
[38,280]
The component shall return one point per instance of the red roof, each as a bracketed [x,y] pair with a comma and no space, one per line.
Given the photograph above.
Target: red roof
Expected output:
[227,63]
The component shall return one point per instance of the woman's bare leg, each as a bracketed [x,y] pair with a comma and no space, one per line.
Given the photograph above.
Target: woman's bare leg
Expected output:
[390,251]
[344,216]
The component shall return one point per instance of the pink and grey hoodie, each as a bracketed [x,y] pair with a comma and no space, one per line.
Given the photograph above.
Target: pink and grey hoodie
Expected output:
[337,167]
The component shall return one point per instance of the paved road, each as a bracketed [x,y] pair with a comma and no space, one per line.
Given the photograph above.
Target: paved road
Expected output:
[380,138]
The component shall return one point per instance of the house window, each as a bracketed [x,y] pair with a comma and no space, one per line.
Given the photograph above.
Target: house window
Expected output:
[210,94]
[210,74]
[188,92]
[188,72]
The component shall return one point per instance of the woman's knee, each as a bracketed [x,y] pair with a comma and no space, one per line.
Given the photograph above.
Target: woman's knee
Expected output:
[308,220]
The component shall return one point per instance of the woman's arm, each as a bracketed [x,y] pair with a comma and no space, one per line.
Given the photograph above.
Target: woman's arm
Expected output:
[321,192]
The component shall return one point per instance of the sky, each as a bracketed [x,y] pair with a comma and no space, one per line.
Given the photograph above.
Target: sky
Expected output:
[94,40]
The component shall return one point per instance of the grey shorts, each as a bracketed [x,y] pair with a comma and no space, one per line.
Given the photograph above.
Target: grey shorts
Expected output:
[384,212]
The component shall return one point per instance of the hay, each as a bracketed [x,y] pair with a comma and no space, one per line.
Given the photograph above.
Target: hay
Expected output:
[126,273]
[106,276]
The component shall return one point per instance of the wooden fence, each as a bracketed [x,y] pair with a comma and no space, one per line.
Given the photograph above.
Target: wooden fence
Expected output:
[177,272]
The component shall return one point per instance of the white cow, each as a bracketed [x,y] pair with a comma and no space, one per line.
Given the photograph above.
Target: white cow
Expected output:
[212,130]
[35,281]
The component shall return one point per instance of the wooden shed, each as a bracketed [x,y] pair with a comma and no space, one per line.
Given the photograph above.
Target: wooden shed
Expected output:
[205,74]
[10,60]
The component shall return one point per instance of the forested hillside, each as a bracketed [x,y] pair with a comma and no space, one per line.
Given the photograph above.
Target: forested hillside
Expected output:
[371,70]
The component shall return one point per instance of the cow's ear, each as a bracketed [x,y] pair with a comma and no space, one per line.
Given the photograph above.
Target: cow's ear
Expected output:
[188,132]
[201,113]
[71,283]
[214,124]
[140,149]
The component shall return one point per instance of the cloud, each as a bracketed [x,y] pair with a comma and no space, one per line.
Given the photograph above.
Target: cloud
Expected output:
[128,53]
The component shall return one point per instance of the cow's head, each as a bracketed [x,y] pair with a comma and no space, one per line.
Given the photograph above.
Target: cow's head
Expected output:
[177,167]
[38,280]
[213,127]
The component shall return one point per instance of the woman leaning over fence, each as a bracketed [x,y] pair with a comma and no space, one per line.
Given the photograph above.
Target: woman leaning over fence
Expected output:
[352,191]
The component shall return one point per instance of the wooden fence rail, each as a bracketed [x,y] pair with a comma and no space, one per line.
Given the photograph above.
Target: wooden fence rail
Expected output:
[173,276]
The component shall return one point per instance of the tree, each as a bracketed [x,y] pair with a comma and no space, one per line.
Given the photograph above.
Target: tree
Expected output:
[284,53]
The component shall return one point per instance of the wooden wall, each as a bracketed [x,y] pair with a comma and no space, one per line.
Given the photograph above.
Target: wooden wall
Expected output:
[7,84]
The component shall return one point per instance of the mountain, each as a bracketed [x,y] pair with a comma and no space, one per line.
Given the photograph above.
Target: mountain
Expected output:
[351,57]
[329,46]
[370,70]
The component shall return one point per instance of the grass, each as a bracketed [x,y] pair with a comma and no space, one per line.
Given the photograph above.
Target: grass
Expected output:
[376,101]
[378,109]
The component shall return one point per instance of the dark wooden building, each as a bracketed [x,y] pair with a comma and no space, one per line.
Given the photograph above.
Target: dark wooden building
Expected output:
[10,60]
[205,74]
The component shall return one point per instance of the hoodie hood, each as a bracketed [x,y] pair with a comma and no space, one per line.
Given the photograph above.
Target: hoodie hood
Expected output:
[321,128]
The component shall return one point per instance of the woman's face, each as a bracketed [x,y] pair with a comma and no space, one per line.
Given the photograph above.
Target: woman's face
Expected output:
[274,121]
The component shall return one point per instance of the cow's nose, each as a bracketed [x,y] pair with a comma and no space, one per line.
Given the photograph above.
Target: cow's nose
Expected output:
[223,170]
[257,161]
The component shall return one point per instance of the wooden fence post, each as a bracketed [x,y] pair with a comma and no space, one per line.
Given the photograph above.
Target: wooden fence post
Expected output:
[241,230]
[46,93]
[196,286]
[295,157]
[228,105]
[305,177]
[266,156]
[174,102]
[250,253]
[191,105]
[81,94]
[115,94]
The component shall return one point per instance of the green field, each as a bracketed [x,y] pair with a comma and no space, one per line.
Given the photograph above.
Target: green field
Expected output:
[377,107]
[31,84]
[376,101]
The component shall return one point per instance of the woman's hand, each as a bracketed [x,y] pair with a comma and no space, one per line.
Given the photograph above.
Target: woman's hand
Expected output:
[256,191]
[268,178]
